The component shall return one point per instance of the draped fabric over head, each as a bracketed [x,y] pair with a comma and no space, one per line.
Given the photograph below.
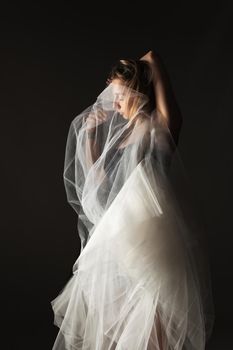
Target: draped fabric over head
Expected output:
[141,259]
[101,156]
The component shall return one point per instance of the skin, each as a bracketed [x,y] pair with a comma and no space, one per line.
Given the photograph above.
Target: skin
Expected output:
[165,101]
[121,103]
[165,98]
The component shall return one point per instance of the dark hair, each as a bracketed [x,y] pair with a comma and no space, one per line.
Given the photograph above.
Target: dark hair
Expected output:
[137,75]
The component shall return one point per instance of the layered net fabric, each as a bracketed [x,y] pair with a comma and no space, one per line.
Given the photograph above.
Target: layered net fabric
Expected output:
[142,278]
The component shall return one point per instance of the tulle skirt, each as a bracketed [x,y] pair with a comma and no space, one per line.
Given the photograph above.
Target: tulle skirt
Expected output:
[135,285]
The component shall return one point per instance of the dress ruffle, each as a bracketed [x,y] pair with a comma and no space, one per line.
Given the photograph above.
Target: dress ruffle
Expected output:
[135,285]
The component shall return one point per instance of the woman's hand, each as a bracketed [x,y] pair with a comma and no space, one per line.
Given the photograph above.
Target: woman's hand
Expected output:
[95,118]
[149,57]
[154,61]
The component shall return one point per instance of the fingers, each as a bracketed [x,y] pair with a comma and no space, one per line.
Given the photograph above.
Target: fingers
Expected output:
[101,114]
[98,114]
[96,117]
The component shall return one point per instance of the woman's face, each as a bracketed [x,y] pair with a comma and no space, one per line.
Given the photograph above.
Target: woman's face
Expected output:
[122,99]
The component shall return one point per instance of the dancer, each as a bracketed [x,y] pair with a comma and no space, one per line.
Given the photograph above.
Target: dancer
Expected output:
[141,280]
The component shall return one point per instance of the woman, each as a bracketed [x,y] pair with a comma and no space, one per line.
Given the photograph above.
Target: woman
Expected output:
[140,281]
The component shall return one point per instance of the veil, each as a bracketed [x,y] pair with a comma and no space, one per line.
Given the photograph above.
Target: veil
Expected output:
[103,148]
[138,224]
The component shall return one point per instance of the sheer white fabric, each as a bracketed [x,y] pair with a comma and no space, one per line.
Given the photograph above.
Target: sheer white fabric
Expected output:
[142,280]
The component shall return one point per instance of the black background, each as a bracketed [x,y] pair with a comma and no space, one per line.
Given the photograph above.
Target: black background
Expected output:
[55,59]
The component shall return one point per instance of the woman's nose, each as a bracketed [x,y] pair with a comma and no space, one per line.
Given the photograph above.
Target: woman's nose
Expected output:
[117,105]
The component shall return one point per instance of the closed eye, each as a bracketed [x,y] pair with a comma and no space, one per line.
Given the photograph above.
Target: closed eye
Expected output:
[120,97]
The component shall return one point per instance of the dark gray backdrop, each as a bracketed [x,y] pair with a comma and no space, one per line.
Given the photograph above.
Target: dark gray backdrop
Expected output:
[55,59]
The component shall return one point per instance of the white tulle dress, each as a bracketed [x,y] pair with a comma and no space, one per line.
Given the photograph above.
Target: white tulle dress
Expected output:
[141,281]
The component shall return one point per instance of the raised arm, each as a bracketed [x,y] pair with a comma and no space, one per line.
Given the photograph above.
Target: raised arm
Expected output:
[165,99]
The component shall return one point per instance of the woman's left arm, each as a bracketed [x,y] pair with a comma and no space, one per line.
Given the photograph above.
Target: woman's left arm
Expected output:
[165,99]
